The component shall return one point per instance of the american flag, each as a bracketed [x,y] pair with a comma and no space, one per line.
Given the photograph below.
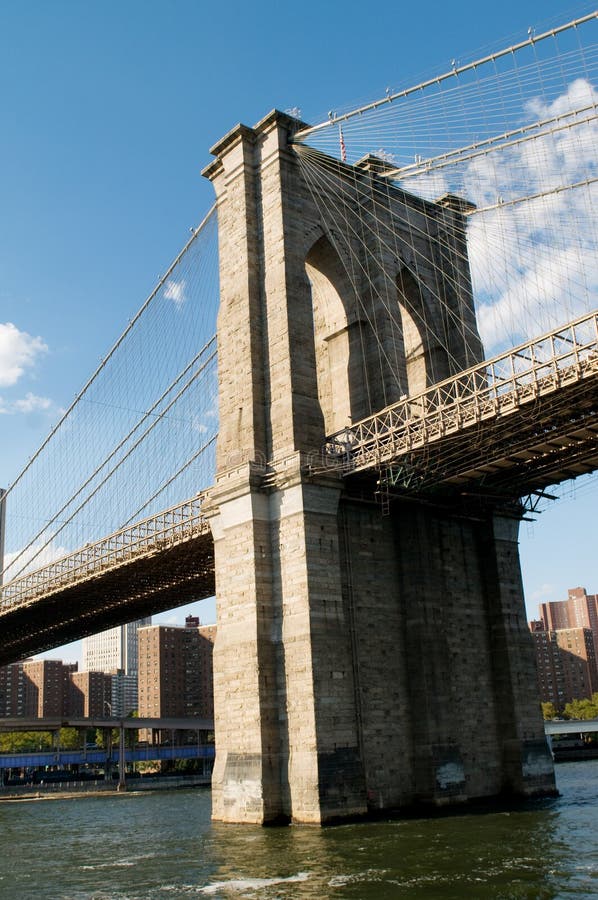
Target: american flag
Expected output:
[342,143]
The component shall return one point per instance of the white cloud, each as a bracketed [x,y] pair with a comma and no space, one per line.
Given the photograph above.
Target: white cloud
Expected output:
[580,94]
[544,292]
[175,291]
[430,184]
[20,562]
[204,422]
[18,352]
[534,264]
[31,403]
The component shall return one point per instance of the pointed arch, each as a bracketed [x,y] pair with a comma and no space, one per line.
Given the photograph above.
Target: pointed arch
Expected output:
[337,338]
[411,307]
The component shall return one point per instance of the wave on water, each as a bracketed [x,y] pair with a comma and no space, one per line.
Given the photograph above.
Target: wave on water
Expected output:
[119,863]
[369,876]
[116,864]
[242,885]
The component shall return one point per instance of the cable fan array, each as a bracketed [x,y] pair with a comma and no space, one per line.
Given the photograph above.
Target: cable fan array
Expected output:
[512,137]
[514,134]
[140,436]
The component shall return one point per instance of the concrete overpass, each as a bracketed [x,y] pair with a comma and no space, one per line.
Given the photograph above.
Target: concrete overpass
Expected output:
[570,726]
[109,755]
[53,723]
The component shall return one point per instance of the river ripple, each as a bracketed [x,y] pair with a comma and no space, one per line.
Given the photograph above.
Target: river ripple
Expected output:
[162,846]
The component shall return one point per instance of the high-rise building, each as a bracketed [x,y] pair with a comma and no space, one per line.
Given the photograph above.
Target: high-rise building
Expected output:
[175,671]
[40,688]
[550,667]
[124,693]
[47,687]
[566,641]
[12,691]
[578,659]
[91,694]
[207,636]
[584,611]
[36,688]
[114,650]
[579,610]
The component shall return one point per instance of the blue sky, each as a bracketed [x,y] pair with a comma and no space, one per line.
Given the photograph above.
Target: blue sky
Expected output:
[108,113]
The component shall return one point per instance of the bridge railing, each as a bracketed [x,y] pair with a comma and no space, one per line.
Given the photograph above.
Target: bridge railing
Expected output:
[495,387]
[173,525]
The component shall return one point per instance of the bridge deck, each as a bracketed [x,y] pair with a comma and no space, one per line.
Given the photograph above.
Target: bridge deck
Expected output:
[162,562]
[519,422]
[512,425]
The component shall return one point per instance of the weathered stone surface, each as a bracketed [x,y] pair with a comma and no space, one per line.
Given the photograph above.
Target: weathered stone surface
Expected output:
[362,662]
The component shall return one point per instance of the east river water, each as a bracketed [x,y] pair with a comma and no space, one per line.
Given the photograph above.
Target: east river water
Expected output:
[159,846]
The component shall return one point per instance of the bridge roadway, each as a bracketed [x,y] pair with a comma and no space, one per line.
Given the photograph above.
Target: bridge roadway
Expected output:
[512,425]
[53,723]
[164,561]
[508,427]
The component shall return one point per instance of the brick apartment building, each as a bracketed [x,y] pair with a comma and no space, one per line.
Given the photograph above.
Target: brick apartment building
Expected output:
[175,679]
[47,687]
[175,670]
[579,610]
[40,688]
[91,694]
[12,691]
[566,642]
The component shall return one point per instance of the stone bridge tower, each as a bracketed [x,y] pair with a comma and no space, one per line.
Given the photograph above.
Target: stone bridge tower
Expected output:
[363,662]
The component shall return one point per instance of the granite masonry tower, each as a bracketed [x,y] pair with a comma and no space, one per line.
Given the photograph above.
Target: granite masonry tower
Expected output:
[363,662]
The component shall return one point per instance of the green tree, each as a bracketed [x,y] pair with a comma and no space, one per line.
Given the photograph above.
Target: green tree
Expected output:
[25,741]
[582,709]
[187,766]
[100,737]
[549,711]
[70,738]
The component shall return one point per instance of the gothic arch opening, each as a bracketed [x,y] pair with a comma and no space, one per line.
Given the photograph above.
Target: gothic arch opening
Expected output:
[411,307]
[339,359]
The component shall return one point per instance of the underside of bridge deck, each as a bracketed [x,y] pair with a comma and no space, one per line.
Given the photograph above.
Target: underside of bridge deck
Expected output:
[536,446]
[148,584]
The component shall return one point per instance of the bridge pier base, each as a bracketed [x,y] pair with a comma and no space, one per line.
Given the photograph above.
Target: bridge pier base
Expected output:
[367,663]
[284,691]
[447,699]
[526,758]
[245,779]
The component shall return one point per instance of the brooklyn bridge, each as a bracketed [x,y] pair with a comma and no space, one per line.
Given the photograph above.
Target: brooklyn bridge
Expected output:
[361,372]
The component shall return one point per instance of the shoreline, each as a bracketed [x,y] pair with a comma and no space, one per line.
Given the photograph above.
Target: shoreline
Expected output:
[60,792]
